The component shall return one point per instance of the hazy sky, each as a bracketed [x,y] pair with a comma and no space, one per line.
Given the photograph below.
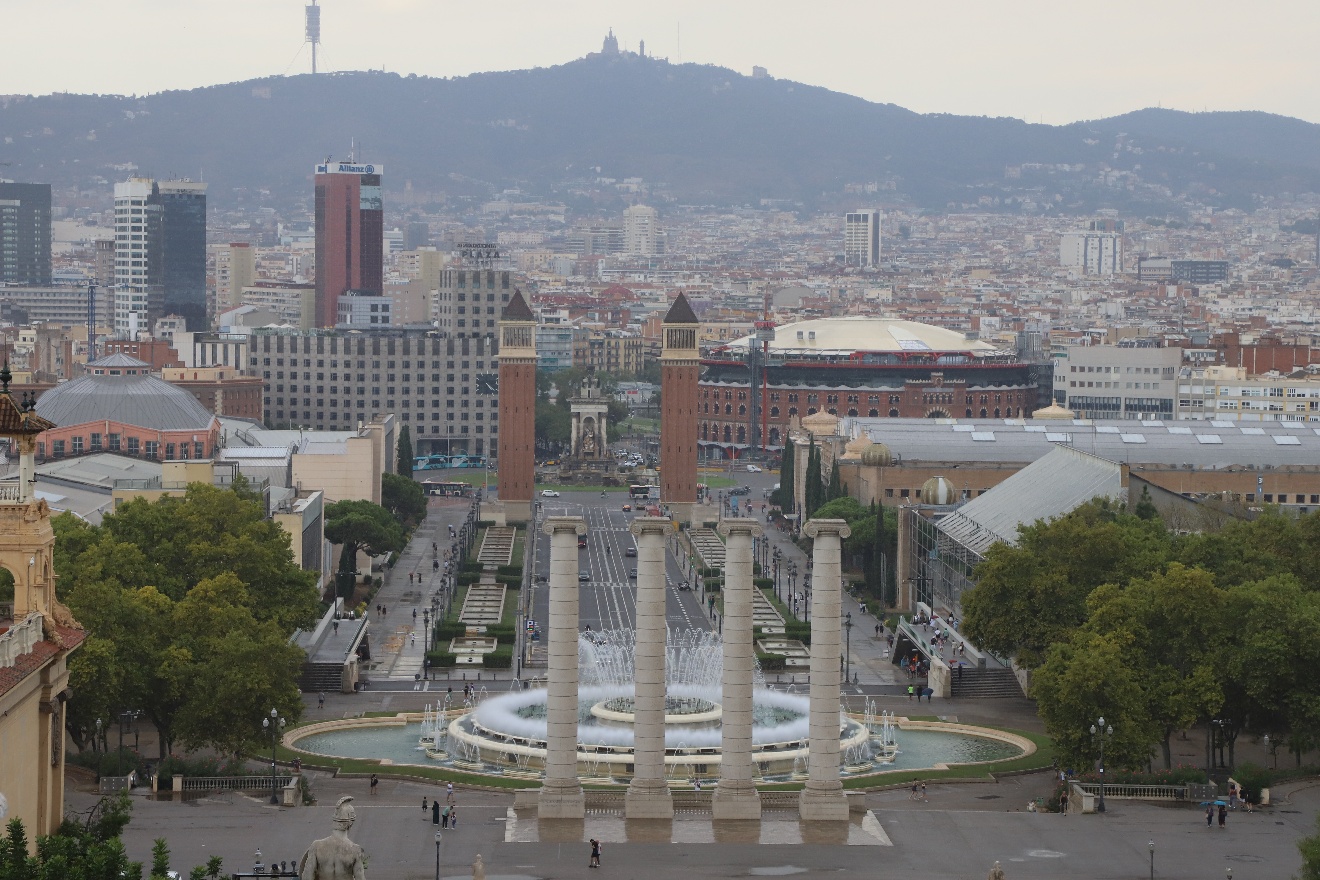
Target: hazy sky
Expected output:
[1055,61]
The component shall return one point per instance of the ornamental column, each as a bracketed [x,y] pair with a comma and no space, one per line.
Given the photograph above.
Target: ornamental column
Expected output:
[561,793]
[736,797]
[823,796]
[680,367]
[648,794]
[517,408]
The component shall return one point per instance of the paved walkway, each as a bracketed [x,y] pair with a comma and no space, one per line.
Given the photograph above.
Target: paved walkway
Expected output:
[397,637]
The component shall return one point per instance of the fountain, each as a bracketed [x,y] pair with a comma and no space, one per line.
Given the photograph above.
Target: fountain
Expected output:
[504,732]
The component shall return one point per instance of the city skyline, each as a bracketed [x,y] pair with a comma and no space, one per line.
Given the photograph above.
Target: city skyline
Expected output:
[1025,61]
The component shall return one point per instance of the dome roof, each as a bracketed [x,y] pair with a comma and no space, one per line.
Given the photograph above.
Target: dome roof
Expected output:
[821,423]
[854,447]
[877,455]
[1053,411]
[135,399]
[938,490]
[862,333]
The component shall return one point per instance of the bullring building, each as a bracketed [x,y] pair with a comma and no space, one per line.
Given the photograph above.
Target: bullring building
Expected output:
[865,367]
[443,388]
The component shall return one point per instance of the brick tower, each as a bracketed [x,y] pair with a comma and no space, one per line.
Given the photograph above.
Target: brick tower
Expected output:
[679,366]
[517,452]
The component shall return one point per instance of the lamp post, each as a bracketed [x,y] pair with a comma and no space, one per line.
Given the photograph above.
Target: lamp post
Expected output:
[257,866]
[847,628]
[437,855]
[1152,858]
[1103,731]
[274,724]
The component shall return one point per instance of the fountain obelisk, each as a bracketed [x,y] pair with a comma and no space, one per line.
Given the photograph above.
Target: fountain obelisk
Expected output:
[736,797]
[822,797]
[561,793]
[648,794]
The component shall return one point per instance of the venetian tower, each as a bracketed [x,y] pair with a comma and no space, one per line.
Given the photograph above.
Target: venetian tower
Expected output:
[517,402]
[679,366]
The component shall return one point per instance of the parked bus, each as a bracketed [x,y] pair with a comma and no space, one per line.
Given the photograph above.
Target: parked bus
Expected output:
[435,487]
[644,492]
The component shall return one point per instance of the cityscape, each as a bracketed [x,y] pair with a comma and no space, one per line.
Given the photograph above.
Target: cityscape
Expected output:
[619,475]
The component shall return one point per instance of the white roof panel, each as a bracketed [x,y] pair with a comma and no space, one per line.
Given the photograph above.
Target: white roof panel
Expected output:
[1133,438]
[984,436]
[1287,440]
[1209,438]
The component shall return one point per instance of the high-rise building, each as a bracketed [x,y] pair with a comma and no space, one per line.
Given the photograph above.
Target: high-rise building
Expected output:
[139,295]
[1096,250]
[183,249]
[861,238]
[24,233]
[641,231]
[350,233]
[235,269]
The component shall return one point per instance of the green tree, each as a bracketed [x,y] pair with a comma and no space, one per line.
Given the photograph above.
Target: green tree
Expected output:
[835,489]
[1309,847]
[403,498]
[1145,508]
[813,489]
[618,412]
[360,526]
[403,455]
[160,859]
[785,490]
[553,424]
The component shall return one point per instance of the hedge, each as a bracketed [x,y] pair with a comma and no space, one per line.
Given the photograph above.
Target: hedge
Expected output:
[502,631]
[471,565]
[710,571]
[512,581]
[440,659]
[772,662]
[798,631]
[485,523]
[468,578]
[763,583]
[510,569]
[500,658]
[449,629]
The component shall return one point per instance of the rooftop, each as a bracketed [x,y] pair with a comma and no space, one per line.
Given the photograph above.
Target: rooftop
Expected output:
[849,335]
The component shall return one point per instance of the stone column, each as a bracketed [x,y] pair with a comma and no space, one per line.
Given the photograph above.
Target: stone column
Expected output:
[736,796]
[648,794]
[823,796]
[561,793]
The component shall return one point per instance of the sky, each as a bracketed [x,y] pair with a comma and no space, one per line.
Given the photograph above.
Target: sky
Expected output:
[1053,62]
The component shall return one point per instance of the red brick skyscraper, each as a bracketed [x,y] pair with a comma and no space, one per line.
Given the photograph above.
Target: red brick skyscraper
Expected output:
[679,365]
[517,453]
[350,234]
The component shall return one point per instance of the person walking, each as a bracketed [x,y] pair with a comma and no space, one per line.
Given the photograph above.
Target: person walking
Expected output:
[911,691]
[374,783]
[1063,802]
[424,807]
[435,811]
[1209,815]
[923,792]
[595,854]
[449,794]
[1223,816]
[453,818]
[913,795]
[444,818]
[320,700]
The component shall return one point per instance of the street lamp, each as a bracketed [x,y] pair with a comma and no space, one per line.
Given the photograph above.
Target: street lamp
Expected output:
[847,627]
[274,724]
[437,855]
[258,867]
[1152,858]
[1101,730]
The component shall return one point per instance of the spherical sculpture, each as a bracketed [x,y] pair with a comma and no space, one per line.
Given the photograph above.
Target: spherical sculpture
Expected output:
[877,455]
[938,490]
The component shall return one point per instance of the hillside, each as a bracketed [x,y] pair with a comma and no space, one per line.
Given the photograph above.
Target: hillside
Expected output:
[703,134]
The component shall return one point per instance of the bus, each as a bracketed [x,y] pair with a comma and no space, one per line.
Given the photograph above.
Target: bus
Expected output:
[436,487]
[644,492]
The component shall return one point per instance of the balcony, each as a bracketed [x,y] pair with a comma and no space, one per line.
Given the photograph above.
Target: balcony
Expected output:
[19,639]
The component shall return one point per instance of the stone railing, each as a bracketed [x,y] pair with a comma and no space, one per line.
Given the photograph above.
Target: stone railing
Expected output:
[20,639]
[10,493]
[233,783]
[1084,795]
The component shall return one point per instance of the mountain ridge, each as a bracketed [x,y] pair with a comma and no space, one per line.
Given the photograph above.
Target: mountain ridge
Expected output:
[700,133]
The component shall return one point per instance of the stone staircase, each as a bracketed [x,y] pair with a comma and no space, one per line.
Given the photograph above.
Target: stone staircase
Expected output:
[317,677]
[497,546]
[994,682]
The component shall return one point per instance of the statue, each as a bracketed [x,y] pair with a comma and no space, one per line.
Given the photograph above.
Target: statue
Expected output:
[589,442]
[336,857]
[478,869]
[996,873]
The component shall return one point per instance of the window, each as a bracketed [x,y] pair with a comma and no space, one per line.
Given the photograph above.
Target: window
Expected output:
[57,448]
[113,440]
[169,451]
[151,448]
[77,445]
[199,449]
[96,442]
[133,446]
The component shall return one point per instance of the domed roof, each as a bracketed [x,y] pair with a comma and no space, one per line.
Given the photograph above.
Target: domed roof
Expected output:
[938,490]
[877,455]
[853,448]
[131,398]
[1053,411]
[863,333]
[820,423]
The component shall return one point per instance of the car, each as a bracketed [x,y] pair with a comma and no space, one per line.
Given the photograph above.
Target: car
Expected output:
[632,573]
[583,577]
[684,587]
[627,508]
[753,469]
[549,493]
[740,490]
[630,552]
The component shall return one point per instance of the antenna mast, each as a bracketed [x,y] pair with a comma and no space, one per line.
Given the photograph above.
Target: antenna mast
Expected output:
[314,30]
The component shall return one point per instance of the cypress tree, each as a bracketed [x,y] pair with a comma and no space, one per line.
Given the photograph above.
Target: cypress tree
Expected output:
[836,484]
[786,476]
[403,454]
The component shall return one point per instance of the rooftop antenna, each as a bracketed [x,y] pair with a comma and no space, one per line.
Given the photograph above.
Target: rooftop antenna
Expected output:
[314,30]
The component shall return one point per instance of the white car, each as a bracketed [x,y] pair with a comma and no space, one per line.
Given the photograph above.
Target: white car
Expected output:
[549,493]
[753,469]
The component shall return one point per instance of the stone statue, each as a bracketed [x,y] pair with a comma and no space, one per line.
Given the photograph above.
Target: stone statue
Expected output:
[478,869]
[589,442]
[996,873]
[336,857]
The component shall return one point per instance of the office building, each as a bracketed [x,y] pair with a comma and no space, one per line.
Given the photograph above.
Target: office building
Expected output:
[349,234]
[468,302]
[235,269]
[183,249]
[1093,251]
[641,231]
[359,309]
[25,233]
[861,238]
[1118,381]
[444,389]
[138,296]
[1182,271]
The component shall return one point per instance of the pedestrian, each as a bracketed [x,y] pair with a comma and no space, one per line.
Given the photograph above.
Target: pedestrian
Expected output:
[435,811]
[930,692]
[913,795]
[595,854]
[335,625]
[923,792]
[453,818]
[1232,795]
[413,638]
[374,783]
[424,803]
[911,690]
[444,818]
[1223,816]
[449,794]
[1063,802]
[320,700]
[1209,815]
[415,610]
[410,580]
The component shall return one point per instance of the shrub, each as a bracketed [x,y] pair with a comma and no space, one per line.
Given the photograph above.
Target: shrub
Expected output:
[438,659]
[467,578]
[196,765]
[485,523]
[763,583]
[797,630]
[500,658]
[512,581]
[449,629]
[771,662]
[501,631]
[470,565]
[511,569]
[1252,779]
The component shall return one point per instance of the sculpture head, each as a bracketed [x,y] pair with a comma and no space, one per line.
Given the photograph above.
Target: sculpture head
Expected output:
[345,815]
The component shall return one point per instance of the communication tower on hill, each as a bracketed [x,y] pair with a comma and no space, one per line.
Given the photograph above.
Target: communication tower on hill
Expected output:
[314,30]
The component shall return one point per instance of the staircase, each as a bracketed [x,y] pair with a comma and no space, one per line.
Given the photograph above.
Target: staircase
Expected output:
[989,683]
[318,677]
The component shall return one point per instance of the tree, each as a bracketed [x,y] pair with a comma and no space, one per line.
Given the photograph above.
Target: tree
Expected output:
[403,457]
[1145,508]
[360,526]
[813,488]
[786,500]
[836,489]
[553,426]
[1310,850]
[617,414]
[403,498]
